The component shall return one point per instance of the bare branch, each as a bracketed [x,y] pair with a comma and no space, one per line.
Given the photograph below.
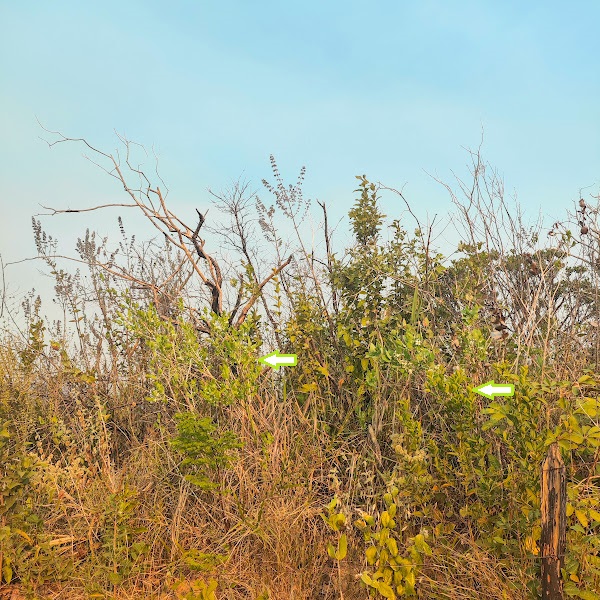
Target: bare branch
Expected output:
[256,295]
[57,211]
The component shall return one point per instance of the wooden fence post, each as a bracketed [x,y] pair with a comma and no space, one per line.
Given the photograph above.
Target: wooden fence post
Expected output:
[554,523]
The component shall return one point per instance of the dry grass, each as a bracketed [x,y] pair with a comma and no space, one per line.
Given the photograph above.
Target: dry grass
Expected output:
[110,476]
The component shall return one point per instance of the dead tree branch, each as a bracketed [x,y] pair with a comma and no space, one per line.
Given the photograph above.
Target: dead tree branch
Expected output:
[150,200]
[256,295]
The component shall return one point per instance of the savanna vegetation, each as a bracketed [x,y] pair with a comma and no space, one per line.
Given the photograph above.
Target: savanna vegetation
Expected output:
[146,453]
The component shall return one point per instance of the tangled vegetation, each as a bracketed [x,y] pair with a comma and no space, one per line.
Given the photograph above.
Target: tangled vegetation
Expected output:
[146,453]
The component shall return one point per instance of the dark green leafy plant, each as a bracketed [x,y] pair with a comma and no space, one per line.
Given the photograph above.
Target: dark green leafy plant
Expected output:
[205,451]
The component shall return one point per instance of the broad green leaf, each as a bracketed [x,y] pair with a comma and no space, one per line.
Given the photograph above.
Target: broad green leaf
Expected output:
[421,545]
[582,518]
[386,590]
[570,589]
[331,550]
[593,432]
[309,387]
[386,519]
[392,546]
[340,520]
[587,595]
[573,436]
[7,572]
[594,514]
[115,578]
[23,535]
[367,580]
[323,370]
[212,586]
[589,407]
[342,547]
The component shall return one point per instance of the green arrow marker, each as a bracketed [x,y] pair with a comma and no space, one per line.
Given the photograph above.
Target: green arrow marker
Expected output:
[276,360]
[490,389]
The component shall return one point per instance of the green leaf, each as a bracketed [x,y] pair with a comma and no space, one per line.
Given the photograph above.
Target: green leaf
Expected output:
[385,590]
[570,589]
[409,582]
[331,550]
[340,520]
[7,572]
[367,580]
[324,370]
[309,387]
[589,407]
[582,518]
[386,520]
[342,547]
[594,514]
[422,546]
[371,554]
[392,546]
[593,431]
[573,436]
[587,595]
[115,578]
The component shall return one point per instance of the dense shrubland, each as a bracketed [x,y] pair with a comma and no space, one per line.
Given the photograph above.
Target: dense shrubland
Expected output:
[145,453]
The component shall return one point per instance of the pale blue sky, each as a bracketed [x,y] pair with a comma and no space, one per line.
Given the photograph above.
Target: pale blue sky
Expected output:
[390,89]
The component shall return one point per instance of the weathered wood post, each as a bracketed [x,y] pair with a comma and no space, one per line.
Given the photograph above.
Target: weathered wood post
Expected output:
[553,540]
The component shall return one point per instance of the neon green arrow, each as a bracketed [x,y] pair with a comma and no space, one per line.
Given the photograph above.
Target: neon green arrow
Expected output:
[276,360]
[490,389]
